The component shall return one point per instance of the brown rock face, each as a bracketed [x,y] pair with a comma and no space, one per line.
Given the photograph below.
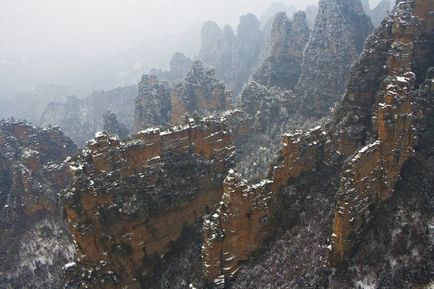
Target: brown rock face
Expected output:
[371,174]
[34,244]
[372,134]
[245,216]
[131,201]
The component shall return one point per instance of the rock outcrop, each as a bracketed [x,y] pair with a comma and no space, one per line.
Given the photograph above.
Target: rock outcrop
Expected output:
[113,126]
[372,173]
[298,83]
[282,67]
[335,42]
[152,104]
[381,124]
[81,118]
[217,48]
[234,56]
[130,202]
[200,94]
[34,242]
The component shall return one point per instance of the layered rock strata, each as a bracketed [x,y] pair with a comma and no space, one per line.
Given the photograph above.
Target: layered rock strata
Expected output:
[129,202]
[34,242]
[371,174]
[371,136]
[247,214]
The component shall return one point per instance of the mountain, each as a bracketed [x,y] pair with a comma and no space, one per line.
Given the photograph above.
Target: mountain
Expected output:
[82,118]
[34,240]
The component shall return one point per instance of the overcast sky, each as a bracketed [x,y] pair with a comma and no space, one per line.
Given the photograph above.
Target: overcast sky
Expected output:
[35,26]
[55,30]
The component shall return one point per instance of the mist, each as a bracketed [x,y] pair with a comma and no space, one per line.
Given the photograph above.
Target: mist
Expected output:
[75,43]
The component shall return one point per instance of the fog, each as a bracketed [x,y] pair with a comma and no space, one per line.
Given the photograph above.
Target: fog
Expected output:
[72,42]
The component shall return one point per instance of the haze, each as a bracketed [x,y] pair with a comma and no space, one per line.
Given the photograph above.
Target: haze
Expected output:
[59,41]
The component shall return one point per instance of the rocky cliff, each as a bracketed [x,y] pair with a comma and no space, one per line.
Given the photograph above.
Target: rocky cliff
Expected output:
[199,94]
[335,42]
[152,104]
[298,83]
[34,242]
[81,118]
[282,67]
[234,56]
[130,202]
[347,170]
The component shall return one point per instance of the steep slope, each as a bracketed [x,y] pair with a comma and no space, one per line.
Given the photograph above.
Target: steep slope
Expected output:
[297,85]
[34,242]
[336,41]
[198,95]
[155,186]
[326,195]
[288,39]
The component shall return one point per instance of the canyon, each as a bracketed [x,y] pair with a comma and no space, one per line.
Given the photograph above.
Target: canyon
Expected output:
[295,157]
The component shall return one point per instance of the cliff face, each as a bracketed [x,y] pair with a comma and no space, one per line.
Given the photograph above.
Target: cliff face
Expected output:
[288,39]
[380,126]
[200,93]
[248,214]
[302,78]
[152,104]
[233,55]
[113,126]
[335,42]
[217,48]
[371,175]
[81,118]
[34,244]
[130,202]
